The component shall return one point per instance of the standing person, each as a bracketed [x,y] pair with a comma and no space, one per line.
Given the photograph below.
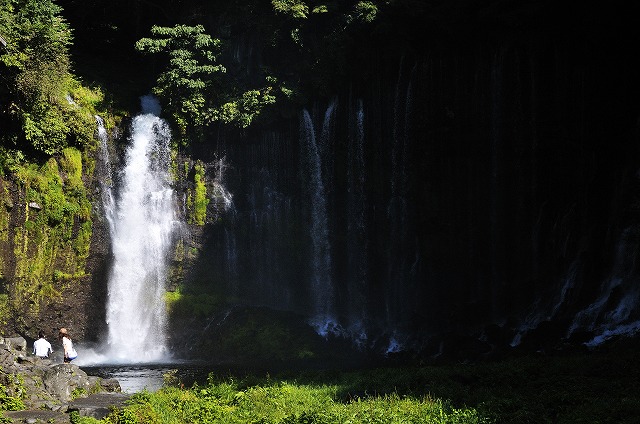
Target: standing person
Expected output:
[69,352]
[42,347]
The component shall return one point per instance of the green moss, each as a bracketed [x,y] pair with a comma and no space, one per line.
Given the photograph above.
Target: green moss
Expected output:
[5,204]
[55,236]
[191,304]
[71,164]
[200,196]
[189,204]
[4,308]
[197,200]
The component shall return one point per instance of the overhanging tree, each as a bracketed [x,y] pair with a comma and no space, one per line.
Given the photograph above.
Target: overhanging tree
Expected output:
[37,111]
[193,88]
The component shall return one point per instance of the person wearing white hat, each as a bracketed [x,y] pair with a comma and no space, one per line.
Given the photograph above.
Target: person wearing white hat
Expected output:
[69,352]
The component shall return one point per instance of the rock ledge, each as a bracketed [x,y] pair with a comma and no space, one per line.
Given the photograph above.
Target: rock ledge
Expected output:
[50,390]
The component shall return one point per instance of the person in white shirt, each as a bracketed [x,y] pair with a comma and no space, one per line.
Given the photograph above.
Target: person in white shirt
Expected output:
[69,352]
[42,347]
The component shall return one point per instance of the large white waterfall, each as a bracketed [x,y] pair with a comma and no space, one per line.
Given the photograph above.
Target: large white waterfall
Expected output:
[142,223]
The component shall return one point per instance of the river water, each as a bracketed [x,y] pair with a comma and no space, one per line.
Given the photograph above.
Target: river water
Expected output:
[151,377]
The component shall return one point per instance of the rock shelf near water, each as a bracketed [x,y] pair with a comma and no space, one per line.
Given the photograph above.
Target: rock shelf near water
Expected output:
[50,390]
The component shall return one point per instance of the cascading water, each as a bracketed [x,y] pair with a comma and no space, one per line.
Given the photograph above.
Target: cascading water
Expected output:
[356,230]
[323,320]
[142,221]
[106,182]
[614,311]
[399,291]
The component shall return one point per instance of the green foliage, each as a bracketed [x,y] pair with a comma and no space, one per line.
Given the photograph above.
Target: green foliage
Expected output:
[78,392]
[38,109]
[191,73]
[245,108]
[10,158]
[366,11]
[12,392]
[76,418]
[192,86]
[296,9]
[9,403]
[124,417]
[597,387]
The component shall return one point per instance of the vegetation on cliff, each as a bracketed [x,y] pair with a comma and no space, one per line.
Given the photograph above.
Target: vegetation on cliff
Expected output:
[47,140]
[191,85]
[43,108]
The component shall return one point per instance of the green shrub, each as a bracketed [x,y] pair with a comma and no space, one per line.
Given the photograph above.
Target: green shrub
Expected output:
[78,392]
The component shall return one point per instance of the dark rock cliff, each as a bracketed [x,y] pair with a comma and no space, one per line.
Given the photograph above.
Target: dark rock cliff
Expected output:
[477,168]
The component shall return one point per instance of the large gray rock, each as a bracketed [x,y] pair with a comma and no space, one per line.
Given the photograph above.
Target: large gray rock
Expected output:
[44,384]
[99,405]
[61,380]
[16,343]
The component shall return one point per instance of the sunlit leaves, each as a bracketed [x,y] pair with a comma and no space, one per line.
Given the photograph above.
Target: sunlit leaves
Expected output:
[245,108]
[36,79]
[191,74]
[366,11]
[295,8]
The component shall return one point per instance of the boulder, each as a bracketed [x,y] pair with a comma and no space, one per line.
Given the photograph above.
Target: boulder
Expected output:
[98,405]
[63,379]
[16,343]
[47,385]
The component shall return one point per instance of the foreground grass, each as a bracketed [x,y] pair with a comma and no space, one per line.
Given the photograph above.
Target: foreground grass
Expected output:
[596,387]
[280,402]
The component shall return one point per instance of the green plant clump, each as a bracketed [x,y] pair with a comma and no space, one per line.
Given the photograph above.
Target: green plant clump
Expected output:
[199,196]
[197,305]
[12,392]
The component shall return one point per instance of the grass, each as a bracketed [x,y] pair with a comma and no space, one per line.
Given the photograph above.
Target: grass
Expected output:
[578,387]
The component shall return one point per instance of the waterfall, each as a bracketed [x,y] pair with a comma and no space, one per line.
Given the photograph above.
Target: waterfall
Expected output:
[356,231]
[141,222]
[106,182]
[398,290]
[323,319]
[540,311]
[615,310]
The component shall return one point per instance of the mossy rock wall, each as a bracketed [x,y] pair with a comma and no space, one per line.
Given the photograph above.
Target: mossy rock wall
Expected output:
[46,232]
